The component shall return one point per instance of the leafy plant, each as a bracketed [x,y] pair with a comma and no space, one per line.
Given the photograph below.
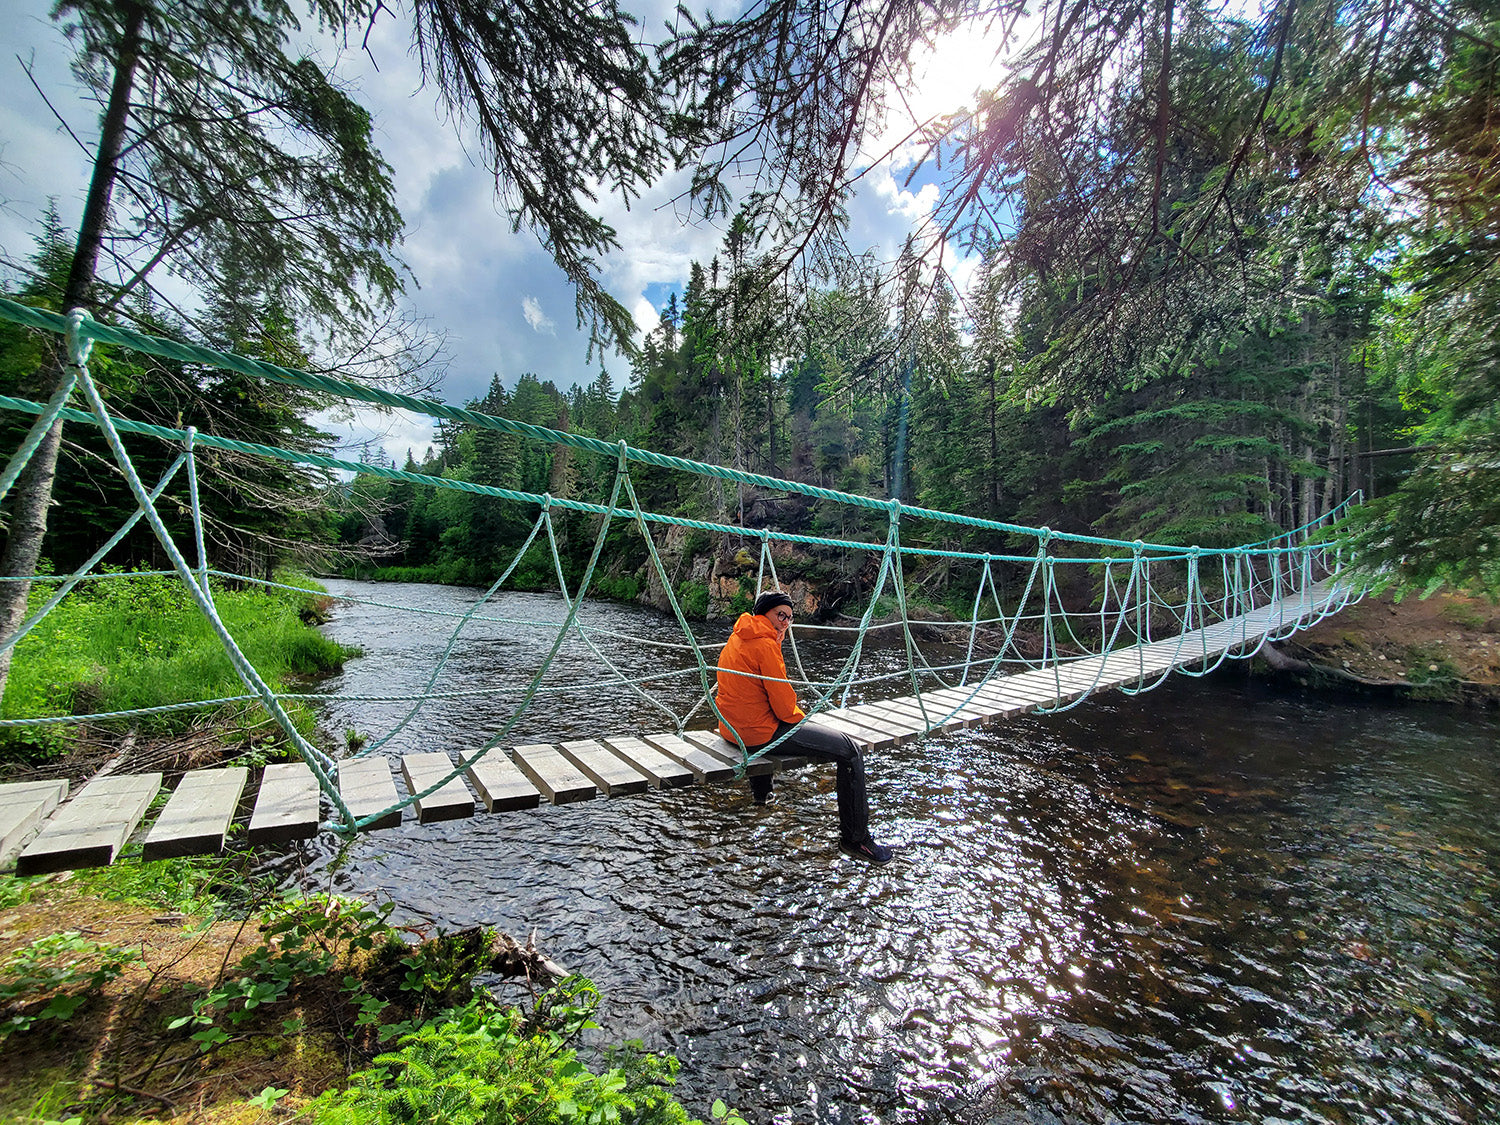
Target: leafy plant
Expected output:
[484,1066]
[693,597]
[268,1097]
[54,976]
[302,939]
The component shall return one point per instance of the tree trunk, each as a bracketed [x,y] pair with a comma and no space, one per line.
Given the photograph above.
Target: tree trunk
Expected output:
[32,495]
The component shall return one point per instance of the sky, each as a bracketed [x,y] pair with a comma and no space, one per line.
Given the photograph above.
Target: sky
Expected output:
[503,306]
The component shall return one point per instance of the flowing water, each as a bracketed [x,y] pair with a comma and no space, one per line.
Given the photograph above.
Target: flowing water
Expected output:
[1202,904]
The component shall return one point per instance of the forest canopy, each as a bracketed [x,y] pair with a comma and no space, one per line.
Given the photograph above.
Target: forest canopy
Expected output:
[1235,264]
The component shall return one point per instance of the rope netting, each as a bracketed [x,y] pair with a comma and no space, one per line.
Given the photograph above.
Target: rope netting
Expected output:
[1138,593]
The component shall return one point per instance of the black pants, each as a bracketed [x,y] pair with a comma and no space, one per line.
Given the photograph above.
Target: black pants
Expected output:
[823,744]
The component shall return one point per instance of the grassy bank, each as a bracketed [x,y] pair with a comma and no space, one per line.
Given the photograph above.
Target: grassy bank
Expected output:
[127,642]
[184,991]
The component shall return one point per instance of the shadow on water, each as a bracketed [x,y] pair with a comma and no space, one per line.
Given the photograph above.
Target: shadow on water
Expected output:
[1198,905]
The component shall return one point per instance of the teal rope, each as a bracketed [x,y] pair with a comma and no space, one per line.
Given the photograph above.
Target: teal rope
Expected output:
[1282,553]
[168,349]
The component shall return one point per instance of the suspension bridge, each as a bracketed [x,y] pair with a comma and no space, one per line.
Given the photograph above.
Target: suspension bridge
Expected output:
[1152,609]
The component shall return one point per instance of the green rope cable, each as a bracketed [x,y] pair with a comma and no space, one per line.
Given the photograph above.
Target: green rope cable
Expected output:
[1196,605]
[468,760]
[46,415]
[634,685]
[197,509]
[169,349]
[314,758]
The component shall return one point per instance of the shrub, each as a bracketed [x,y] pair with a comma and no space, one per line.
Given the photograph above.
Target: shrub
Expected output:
[482,1065]
[693,597]
[623,587]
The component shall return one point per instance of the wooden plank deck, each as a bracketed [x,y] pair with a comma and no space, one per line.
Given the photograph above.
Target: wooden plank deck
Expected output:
[92,828]
[23,807]
[451,802]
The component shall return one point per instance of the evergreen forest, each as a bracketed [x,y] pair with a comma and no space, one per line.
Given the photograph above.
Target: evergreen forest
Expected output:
[1232,268]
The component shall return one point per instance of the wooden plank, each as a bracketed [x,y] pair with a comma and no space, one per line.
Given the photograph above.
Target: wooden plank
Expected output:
[23,806]
[974,712]
[883,730]
[937,719]
[198,814]
[954,707]
[865,736]
[452,802]
[882,713]
[286,808]
[367,786]
[706,768]
[664,772]
[1013,691]
[90,830]
[1005,706]
[711,742]
[501,786]
[560,780]
[611,773]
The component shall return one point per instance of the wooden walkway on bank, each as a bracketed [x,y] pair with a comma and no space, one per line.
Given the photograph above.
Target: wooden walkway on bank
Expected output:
[42,831]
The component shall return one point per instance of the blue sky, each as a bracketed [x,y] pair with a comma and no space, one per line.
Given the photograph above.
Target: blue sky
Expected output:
[503,306]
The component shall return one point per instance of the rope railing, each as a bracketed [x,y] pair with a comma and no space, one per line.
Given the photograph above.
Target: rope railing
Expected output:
[1140,587]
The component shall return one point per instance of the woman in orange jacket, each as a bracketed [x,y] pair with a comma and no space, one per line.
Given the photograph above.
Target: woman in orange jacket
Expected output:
[757,702]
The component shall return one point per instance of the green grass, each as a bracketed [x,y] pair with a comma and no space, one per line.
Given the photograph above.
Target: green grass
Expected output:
[132,642]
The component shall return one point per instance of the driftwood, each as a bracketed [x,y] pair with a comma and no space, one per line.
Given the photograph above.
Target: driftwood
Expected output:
[512,959]
[1281,662]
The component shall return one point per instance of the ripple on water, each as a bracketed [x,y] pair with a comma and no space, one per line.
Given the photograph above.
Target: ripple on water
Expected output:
[1192,906]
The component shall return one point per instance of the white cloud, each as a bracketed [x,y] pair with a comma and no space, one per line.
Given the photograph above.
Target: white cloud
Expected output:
[361,432]
[494,291]
[901,201]
[531,309]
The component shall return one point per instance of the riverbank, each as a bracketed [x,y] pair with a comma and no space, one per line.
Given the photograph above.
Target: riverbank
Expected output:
[1445,648]
[134,648]
[187,991]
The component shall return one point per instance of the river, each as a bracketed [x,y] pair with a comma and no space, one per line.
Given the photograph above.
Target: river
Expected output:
[1203,904]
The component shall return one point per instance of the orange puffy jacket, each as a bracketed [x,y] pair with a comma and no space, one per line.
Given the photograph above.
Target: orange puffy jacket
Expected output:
[752,703]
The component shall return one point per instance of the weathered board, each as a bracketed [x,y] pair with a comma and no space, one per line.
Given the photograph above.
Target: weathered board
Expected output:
[501,786]
[560,781]
[706,767]
[23,806]
[612,774]
[664,772]
[452,801]
[90,830]
[367,787]
[198,814]
[286,808]
[711,742]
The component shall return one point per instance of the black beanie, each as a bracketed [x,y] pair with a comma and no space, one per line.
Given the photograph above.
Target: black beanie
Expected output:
[769,601]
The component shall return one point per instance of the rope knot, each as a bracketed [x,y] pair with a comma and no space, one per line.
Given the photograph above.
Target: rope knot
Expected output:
[81,345]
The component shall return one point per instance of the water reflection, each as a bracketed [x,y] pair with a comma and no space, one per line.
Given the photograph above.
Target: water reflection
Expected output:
[1196,905]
